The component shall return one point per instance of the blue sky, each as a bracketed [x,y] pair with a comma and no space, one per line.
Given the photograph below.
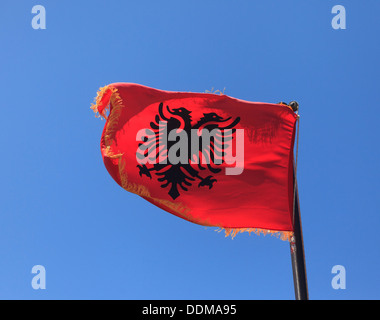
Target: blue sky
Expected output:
[59,207]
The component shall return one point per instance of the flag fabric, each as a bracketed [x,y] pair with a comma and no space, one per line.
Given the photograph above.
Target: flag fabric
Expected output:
[207,158]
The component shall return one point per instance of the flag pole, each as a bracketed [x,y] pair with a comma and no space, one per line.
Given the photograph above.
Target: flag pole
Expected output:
[298,255]
[297,251]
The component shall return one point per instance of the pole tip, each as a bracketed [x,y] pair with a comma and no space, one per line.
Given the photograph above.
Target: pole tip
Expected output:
[294,105]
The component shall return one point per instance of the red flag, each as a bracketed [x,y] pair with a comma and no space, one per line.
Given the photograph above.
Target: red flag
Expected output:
[207,158]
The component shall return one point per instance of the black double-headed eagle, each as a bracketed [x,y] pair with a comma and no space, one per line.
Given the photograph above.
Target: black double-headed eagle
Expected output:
[207,156]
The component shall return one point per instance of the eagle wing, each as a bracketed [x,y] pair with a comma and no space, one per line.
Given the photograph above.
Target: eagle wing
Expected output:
[215,137]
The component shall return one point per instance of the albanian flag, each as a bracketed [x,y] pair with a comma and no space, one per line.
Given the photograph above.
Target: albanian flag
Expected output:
[207,158]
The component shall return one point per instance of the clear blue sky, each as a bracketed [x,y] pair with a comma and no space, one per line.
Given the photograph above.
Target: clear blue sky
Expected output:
[59,207]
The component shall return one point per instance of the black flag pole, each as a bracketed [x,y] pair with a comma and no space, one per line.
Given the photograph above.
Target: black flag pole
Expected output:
[298,255]
[297,250]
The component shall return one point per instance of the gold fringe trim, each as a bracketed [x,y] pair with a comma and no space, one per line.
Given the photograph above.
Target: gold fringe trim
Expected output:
[212,91]
[138,189]
[113,118]
[109,153]
[101,102]
[283,235]
[107,96]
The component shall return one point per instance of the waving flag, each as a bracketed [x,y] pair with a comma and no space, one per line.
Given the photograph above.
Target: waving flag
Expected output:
[207,158]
